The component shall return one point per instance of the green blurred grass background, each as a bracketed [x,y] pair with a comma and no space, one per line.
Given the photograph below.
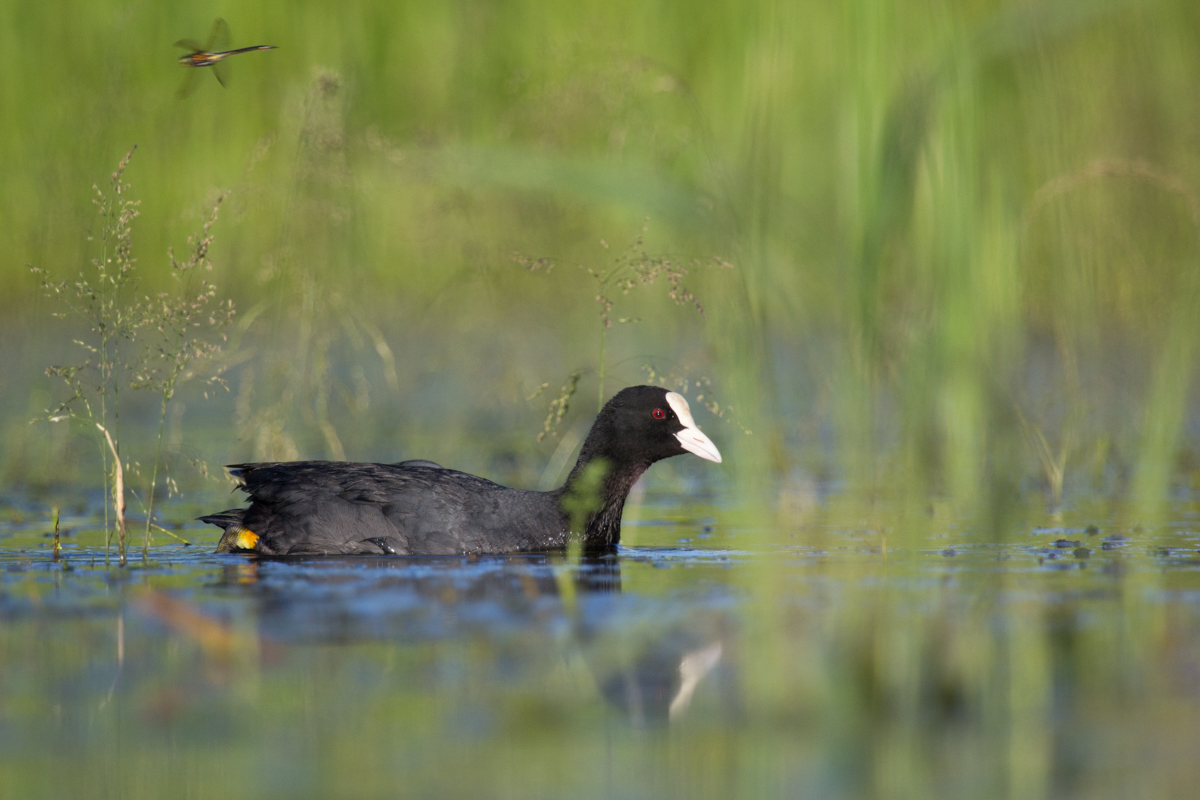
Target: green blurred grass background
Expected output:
[965,248]
[964,233]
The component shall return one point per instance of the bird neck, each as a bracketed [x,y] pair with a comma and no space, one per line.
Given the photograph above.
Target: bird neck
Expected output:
[594,495]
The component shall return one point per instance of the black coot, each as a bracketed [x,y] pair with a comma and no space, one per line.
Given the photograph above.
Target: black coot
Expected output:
[420,508]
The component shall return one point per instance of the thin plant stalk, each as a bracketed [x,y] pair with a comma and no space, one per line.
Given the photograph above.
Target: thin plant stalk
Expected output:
[105,333]
[175,318]
[118,496]
[600,396]
[98,300]
[112,328]
[162,418]
[168,391]
[102,298]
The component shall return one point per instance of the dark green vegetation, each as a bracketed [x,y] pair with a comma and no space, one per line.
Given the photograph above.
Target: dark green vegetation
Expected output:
[964,240]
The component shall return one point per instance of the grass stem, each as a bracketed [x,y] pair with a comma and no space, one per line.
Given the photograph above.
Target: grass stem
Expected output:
[56,539]
[118,496]
[600,391]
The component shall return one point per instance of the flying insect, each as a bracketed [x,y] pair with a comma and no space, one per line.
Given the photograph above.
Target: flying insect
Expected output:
[212,54]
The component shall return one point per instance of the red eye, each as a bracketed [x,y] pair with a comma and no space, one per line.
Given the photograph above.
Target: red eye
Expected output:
[659,413]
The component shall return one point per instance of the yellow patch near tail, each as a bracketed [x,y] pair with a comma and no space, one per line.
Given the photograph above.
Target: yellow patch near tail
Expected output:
[237,538]
[246,538]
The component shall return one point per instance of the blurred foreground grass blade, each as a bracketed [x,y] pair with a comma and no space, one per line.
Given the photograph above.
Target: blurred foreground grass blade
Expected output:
[1008,33]
[1018,28]
[929,320]
[1166,406]
[888,212]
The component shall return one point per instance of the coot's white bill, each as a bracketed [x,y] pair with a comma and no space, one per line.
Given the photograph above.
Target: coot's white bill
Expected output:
[694,441]
[691,438]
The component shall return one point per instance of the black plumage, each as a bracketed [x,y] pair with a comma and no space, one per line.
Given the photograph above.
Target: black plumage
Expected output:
[421,508]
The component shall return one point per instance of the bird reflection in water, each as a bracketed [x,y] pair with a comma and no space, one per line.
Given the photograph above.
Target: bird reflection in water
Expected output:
[648,662]
[651,668]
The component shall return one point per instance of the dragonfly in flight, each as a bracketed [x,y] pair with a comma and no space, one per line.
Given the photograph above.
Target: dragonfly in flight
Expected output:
[212,55]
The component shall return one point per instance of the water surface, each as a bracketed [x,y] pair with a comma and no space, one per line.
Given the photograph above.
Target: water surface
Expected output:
[706,659]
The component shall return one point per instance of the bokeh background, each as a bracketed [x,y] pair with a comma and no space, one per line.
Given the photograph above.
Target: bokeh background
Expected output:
[946,252]
[963,234]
